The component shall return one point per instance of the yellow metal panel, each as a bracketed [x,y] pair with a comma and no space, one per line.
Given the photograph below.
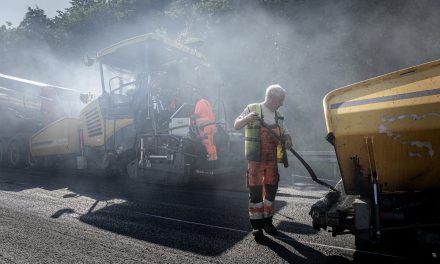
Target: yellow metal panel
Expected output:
[115,125]
[416,79]
[400,113]
[401,165]
[91,123]
[58,138]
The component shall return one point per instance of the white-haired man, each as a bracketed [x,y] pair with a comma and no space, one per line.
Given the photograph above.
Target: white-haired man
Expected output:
[263,154]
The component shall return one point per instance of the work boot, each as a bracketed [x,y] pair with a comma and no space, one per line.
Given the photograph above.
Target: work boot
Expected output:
[258,234]
[270,229]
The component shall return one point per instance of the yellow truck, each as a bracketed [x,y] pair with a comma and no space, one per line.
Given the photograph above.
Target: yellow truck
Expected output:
[142,123]
[386,134]
[27,106]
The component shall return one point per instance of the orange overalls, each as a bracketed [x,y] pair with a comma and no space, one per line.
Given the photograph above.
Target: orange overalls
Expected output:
[263,180]
[205,115]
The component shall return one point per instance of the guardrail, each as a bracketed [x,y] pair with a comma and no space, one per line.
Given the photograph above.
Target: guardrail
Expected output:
[328,156]
[332,174]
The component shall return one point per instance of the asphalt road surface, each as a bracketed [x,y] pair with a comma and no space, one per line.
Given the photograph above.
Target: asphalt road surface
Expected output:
[70,218]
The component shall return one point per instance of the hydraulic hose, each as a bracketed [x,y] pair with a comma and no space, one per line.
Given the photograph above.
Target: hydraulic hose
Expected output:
[303,162]
[311,172]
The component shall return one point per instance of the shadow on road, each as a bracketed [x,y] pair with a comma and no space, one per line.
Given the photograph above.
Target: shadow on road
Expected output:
[296,228]
[205,222]
[303,254]
[183,231]
[199,219]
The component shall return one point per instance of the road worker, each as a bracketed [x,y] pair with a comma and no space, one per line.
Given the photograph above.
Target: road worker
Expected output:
[262,153]
[205,119]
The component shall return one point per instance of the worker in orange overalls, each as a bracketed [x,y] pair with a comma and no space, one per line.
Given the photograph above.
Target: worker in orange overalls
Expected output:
[205,119]
[262,153]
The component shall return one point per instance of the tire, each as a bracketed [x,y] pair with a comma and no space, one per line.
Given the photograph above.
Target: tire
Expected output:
[3,160]
[16,154]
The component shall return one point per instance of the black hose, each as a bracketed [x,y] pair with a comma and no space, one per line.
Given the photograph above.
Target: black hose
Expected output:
[311,172]
[303,162]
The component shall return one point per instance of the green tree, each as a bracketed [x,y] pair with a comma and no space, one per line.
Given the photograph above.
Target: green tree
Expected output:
[36,26]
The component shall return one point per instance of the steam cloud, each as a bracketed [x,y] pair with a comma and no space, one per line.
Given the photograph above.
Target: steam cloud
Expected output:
[310,49]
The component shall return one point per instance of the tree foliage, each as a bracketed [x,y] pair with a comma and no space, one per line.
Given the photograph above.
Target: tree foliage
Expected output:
[69,31]
[36,26]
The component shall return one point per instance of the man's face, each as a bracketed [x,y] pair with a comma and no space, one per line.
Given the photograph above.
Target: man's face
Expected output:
[278,101]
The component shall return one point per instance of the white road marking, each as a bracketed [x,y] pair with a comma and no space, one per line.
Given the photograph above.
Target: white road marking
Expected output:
[281,238]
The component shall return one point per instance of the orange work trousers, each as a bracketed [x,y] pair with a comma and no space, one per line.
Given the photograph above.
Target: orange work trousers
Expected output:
[207,134]
[263,178]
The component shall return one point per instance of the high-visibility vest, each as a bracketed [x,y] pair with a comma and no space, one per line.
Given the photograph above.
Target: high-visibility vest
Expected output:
[252,141]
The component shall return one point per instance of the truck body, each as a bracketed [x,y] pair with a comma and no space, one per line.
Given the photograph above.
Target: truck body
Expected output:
[386,135]
[26,106]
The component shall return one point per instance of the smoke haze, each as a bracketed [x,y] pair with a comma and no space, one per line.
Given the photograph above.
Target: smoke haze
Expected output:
[309,47]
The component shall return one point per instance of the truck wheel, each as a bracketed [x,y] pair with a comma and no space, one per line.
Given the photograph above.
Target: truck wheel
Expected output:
[35,162]
[16,154]
[2,154]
